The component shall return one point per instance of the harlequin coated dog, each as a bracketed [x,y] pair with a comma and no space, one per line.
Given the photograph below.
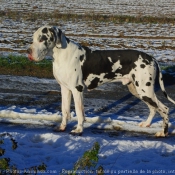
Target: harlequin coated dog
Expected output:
[77,68]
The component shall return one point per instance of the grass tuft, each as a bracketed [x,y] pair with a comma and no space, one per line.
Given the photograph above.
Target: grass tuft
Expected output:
[88,162]
[20,65]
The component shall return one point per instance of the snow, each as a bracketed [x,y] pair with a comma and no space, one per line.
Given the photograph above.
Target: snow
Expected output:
[154,39]
[119,152]
[116,7]
[125,148]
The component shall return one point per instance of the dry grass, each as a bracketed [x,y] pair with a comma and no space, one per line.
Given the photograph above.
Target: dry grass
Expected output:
[32,16]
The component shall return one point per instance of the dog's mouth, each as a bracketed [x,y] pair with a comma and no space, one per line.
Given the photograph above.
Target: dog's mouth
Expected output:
[30,57]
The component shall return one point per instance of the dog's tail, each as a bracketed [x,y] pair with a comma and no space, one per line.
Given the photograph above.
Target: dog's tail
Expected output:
[162,83]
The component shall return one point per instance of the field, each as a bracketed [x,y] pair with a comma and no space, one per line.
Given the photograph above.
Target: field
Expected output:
[30,99]
[100,25]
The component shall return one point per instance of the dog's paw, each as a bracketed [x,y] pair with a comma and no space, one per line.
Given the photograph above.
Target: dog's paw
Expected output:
[144,124]
[77,132]
[59,128]
[161,134]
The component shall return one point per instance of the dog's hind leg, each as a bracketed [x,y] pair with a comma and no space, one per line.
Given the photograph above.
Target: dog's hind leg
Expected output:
[163,111]
[152,113]
[147,123]
[148,96]
[132,89]
[155,105]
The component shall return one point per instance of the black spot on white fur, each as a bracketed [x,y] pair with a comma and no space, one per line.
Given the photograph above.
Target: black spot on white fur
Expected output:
[45,30]
[81,57]
[148,84]
[94,83]
[142,66]
[79,88]
[149,101]
[137,83]
[44,37]
[133,76]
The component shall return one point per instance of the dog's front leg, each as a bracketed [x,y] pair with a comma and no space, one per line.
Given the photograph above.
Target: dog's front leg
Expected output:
[66,101]
[79,108]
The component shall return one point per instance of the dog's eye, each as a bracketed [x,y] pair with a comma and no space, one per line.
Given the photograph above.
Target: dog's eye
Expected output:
[42,38]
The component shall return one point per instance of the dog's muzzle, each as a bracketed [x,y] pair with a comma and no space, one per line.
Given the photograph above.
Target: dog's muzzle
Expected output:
[29,51]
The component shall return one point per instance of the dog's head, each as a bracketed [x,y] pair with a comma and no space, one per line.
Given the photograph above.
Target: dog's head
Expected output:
[44,40]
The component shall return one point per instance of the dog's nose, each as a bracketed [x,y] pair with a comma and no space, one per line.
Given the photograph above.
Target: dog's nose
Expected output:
[29,50]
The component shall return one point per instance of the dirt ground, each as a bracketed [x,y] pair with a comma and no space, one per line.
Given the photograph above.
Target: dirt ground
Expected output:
[110,98]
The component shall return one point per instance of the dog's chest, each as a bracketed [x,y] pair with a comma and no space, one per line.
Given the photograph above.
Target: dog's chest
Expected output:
[67,71]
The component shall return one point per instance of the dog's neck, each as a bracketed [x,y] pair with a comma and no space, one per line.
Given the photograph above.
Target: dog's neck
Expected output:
[73,49]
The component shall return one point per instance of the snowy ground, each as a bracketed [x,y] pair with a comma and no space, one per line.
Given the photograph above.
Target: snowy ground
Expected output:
[120,152]
[155,39]
[30,107]
[112,120]
[116,7]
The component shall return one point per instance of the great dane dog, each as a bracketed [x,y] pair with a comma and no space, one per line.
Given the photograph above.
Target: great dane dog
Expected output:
[77,68]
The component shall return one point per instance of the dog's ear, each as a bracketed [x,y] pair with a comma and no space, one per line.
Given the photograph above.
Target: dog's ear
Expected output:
[60,39]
